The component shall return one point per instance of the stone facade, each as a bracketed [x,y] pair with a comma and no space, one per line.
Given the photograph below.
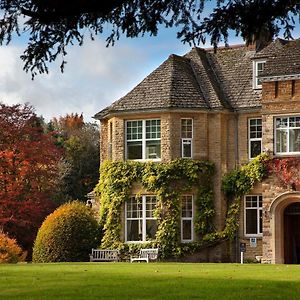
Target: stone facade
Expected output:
[220,134]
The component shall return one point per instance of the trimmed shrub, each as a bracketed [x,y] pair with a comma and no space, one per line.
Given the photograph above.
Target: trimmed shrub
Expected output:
[10,251]
[68,234]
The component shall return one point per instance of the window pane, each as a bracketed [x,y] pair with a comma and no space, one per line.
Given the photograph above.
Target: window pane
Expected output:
[150,206]
[153,129]
[187,128]
[151,228]
[134,150]
[153,149]
[251,201]
[251,221]
[294,121]
[187,229]
[134,207]
[281,122]
[134,130]
[294,140]
[260,67]
[187,148]
[256,129]
[255,148]
[134,230]
[281,141]
[187,207]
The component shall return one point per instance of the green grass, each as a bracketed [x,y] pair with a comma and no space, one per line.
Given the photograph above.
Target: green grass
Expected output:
[149,281]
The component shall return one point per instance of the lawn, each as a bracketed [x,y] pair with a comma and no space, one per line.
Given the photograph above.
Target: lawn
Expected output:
[149,281]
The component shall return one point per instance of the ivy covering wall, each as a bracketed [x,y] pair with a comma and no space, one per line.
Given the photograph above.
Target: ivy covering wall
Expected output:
[168,181]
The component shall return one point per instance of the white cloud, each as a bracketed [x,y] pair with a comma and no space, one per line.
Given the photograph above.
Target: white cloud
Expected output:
[94,77]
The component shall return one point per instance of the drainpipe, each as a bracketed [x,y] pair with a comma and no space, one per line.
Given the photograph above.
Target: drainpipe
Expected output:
[236,141]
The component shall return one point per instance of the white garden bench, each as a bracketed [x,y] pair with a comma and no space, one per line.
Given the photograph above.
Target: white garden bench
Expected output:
[104,255]
[146,255]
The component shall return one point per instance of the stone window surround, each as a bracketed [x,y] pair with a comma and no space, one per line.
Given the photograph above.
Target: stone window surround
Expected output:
[258,209]
[256,85]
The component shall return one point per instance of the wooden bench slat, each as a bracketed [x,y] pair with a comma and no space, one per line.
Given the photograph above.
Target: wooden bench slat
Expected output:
[104,255]
[146,255]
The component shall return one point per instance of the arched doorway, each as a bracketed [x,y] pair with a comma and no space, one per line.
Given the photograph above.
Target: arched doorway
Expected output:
[280,223]
[292,233]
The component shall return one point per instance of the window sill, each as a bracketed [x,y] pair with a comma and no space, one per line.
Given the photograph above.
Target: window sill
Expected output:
[287,154]
[138,242]
[145,160]
[260,236]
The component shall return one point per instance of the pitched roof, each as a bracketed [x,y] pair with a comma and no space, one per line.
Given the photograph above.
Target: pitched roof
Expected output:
[286,62]
[172,85]
[205,79]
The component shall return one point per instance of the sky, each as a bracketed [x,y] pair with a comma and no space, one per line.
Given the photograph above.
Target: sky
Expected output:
[95,76]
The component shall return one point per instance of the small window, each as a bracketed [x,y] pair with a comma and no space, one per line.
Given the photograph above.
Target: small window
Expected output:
[287,135]
[253,215]
[187,227]
[187,138]
[258,67]
[255,137]
[143,140]
[141,223]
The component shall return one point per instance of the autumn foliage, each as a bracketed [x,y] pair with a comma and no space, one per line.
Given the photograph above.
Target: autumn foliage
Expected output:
[79,168]
[10,251]
[286,171]
[28,164]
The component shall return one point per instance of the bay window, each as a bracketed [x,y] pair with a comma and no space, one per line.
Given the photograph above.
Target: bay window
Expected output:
[140,224]
[253,215]
[287,135]
[143,139]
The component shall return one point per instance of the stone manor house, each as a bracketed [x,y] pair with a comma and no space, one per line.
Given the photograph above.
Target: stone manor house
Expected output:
[226,107]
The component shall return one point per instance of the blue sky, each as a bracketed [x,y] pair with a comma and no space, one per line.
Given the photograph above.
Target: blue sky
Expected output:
[94,76]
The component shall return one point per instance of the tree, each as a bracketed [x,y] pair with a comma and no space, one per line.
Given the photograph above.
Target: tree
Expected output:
[53,25]
[28,164]
[79,170]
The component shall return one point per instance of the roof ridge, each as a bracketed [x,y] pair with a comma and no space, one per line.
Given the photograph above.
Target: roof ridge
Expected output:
[198,83]
[214,79]
[192,72]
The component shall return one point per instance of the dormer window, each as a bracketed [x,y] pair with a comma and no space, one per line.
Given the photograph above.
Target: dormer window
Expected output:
[258,67]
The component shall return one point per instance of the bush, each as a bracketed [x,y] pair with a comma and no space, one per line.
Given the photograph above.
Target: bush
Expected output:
[10,251]
[68,234]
